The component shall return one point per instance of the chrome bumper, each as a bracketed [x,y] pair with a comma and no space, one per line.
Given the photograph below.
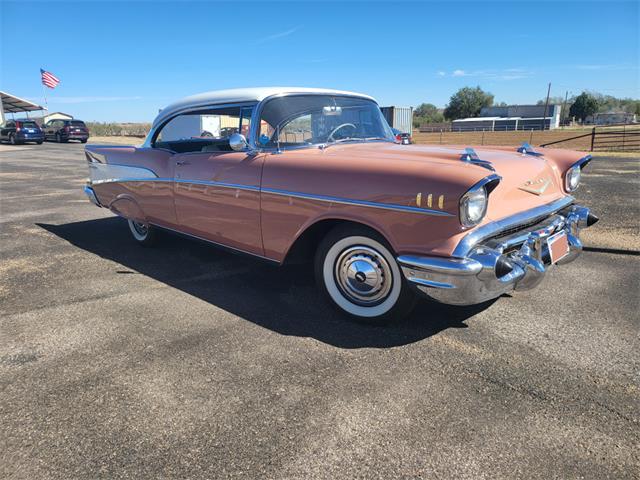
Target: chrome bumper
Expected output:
[88,190]
[506,262]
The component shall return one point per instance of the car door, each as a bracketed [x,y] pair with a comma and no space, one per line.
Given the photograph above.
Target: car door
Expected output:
[217,197]
[6,130]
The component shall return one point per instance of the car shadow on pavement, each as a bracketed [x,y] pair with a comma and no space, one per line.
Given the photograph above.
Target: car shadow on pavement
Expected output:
[284,300]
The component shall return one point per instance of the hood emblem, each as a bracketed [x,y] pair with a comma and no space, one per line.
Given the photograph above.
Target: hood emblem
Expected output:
[537,187]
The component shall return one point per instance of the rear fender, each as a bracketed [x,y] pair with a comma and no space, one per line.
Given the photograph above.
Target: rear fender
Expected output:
[126,206]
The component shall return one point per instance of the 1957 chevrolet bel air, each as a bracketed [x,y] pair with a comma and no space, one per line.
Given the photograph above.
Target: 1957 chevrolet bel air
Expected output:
[284,172]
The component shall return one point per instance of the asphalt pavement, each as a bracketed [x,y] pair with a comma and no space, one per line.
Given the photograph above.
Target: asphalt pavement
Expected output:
[185,361]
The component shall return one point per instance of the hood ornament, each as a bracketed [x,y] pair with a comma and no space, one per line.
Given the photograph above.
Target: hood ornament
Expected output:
[470,156]
[526,149]
[537,187]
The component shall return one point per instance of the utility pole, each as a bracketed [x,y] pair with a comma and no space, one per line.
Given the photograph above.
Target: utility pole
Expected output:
[564,105]
[546,105]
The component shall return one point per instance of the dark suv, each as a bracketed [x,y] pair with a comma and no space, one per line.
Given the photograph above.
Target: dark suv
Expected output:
[21,131]
[65,130]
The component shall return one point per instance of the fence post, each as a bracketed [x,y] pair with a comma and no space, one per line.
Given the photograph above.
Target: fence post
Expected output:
[593,136]
[482,142]
[531,137]
[624,134]
[440,136]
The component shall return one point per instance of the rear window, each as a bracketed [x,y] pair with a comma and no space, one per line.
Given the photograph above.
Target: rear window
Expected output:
[77,123]
[29,124]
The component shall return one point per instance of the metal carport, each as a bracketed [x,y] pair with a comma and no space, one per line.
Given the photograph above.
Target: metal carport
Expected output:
[12,104]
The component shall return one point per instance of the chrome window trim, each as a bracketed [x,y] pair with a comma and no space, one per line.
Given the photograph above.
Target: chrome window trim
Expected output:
[148,143]
[286,193]
[496,227]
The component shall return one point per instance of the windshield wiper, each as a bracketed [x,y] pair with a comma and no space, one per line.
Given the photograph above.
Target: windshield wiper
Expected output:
[340,140]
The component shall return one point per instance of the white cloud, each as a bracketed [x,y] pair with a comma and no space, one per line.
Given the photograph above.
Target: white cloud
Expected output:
[275,36]
[493,74]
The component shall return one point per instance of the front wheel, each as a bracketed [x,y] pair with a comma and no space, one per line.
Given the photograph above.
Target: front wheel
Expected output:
[143,233]
[355,268]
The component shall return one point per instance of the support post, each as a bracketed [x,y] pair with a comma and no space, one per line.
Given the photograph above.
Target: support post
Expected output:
[593,136]
[546,105]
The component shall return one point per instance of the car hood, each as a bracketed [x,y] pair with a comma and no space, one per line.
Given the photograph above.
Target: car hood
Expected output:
[527,181]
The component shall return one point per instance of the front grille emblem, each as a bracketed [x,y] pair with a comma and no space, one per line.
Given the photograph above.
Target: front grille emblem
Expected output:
[537,187]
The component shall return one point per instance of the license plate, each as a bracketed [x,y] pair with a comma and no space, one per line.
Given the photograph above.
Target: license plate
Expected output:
[558,246]
[31,130]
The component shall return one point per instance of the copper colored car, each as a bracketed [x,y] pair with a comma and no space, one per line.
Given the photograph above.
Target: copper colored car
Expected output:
[295,172]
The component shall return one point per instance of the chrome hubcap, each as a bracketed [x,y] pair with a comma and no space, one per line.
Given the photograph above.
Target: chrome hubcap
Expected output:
[140,228]
[363,275]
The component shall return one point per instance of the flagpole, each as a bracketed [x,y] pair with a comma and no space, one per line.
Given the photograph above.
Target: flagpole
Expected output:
[44,95]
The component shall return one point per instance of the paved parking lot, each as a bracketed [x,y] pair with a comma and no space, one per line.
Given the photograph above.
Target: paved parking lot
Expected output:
[187,361]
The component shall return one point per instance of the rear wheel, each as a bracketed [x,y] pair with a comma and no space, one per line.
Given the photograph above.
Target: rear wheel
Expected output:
[355,268]
[143,233]
[83,141]
[12,139]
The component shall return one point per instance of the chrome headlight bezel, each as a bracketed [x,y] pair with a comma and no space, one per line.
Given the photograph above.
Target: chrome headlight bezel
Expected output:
[473,204]
[573,175]
[572,178]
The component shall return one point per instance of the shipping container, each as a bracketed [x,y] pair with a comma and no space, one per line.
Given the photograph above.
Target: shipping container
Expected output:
[400,118]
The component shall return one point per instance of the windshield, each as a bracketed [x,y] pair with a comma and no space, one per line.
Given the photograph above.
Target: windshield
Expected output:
[77,123]
[320,119]
[29,124]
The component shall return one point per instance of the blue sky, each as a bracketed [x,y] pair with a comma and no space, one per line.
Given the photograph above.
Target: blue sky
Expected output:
[122,61]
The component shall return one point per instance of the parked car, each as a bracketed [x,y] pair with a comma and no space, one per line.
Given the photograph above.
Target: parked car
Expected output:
[401,137]
[21,131]
[381,221]
[65,130]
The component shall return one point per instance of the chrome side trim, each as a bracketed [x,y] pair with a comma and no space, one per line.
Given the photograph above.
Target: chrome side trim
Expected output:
[235,186]
[130,180]
[286,193]
[359,203]
[495,228]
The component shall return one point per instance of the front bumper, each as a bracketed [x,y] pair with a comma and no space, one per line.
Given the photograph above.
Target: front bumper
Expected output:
[514,260]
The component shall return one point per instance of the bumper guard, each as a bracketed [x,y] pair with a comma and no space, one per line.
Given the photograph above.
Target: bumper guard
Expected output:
[512,261]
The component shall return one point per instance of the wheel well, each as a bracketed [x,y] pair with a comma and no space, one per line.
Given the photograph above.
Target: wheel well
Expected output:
[304,247]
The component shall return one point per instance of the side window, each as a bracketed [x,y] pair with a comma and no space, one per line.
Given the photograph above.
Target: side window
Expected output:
[10,124]
[204,130]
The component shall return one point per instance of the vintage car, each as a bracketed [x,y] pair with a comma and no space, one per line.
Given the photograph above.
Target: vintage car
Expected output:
[295,173]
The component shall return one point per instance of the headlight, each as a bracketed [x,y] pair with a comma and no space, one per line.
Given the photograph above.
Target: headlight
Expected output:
[572,178]
[473,206]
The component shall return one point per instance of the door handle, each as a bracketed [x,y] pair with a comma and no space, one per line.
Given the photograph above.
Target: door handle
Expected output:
[183,162]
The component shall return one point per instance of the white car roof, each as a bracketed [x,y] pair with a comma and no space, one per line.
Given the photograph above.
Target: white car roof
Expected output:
[241,95]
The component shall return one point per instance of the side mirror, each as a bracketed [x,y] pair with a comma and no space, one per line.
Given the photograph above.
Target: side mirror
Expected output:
[238,143]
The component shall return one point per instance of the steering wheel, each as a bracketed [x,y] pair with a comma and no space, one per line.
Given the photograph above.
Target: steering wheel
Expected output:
[335,130]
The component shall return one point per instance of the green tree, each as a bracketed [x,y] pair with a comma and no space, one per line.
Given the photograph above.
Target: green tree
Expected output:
[584,105]
[427,113]
[467,102]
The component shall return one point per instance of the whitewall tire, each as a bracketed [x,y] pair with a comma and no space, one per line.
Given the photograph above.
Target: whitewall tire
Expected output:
[357,270]
[143,233]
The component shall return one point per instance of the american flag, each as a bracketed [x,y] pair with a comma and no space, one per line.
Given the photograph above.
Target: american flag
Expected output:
[49,79]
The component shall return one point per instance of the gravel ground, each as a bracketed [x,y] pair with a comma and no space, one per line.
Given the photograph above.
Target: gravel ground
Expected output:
[185,361]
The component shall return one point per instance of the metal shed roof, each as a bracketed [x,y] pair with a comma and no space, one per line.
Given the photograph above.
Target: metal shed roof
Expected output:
[13,104]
